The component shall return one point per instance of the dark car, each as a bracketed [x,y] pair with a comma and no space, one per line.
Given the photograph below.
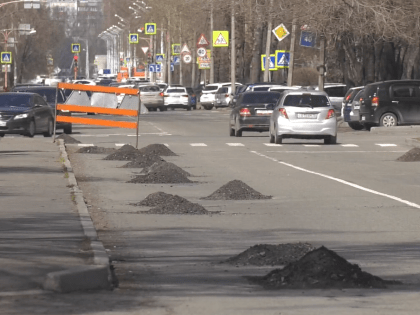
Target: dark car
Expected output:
[351,107]
[391,103]
[252,112]
[26,114]
[48,94]
[105,82]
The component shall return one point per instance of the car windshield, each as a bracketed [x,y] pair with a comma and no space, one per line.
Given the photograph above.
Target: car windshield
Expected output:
[307,100]
[259,98]
[175,91]
[15,100]
[210,88]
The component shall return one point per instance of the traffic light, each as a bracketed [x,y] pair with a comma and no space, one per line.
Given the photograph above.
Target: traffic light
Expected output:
[76,58]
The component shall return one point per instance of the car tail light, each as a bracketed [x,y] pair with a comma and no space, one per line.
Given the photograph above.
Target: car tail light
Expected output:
[226,95]
[161,94]
[184,95]
[348,97]
[283,113]
[192,95]
[375,101]
[244,112]
[330,114]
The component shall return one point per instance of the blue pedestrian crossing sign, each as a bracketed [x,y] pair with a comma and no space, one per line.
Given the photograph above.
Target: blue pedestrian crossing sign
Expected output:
[6,57]
[160,57]
[172,67]
[75,48]
[307,39]
[272,63]
[134,38]
[155,68]
[150,28]
[177,60]
[282,59]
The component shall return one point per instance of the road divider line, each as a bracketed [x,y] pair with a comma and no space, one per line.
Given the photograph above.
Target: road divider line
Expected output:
[120,144]
[272,145]
[386,144]
[406,202]
[235,144]
[198,144]
[85,144]
[311,145]
[350,145]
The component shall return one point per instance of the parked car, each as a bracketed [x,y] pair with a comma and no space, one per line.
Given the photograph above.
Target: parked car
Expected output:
[192,97]
[104,82]
[176,97]
[162,86]
[304,115]
[85,81]
[208,96]
[48,94]
[351,111]
[26,114]
[152,97]
[336,93]
[351,93]
[391,103]
[252,112]
[223,97]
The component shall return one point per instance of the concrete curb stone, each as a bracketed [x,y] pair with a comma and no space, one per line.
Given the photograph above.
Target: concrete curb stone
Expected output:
[378,130]
[81,278]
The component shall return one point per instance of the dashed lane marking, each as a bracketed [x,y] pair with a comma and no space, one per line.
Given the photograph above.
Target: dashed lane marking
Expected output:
[198,144]
[235,144]
[120,144]
[406,202]
[85,144]
[311,145]
[386,144]
[272,145]
[350,145]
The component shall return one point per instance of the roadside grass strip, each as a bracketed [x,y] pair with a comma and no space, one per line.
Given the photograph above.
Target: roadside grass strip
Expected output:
[406,202]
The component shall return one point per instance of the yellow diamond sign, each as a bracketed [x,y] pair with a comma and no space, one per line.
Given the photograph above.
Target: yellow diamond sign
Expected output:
[281,32]
[220,38]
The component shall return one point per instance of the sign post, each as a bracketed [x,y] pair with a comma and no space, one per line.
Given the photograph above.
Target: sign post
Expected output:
[6,58]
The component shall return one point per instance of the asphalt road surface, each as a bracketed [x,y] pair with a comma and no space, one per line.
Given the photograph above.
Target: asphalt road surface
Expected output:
[353,198]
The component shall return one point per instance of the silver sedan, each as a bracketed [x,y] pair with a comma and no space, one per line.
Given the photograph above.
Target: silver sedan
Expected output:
[303,114]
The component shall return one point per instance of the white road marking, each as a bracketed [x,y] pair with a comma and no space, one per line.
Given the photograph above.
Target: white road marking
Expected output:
[406,202]
[311,145]
[272,145]
[85,144]
[386,144]
[120,144]
[198,144]
[166,145]
[235,144]
[317,152]
[350,145]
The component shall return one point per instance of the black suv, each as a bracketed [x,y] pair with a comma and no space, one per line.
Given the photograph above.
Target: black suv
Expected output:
[391,103]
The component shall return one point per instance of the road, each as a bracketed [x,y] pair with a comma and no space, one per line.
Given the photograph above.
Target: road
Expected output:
[353,198]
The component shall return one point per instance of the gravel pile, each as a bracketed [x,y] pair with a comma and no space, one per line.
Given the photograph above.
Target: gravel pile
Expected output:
[68,139]
[411,156]
[157,149]
[320,269]
[236,190]
[271,255]
[161,176]
[165,167]
[143,160]
[95,150]
[125,153]
[170,204]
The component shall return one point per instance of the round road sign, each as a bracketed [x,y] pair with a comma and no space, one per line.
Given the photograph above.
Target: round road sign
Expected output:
[187,58]
[201,52]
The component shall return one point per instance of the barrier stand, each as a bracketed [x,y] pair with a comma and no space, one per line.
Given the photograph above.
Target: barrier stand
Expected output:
[98,110]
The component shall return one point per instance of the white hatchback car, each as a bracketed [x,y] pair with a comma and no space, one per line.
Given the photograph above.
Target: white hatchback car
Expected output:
[208,96]
[176,97]
[303,114]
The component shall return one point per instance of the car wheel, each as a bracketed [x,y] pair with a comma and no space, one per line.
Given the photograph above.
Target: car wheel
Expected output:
[68,129]
[1,135]
[278,139]
[231,131]
[208,107]
[163,109]
[238,131]
[50,130]
[355,125]
[271,137]
[330,140]
[388,120]
[30,132]
[188,107]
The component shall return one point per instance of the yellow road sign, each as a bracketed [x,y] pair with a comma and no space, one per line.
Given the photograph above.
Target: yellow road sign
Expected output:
[281,32]
[220,38]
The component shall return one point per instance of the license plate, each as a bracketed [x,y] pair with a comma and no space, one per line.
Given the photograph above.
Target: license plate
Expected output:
[2,123]
[307,116]
[356,107]
[264,112]
[363,118]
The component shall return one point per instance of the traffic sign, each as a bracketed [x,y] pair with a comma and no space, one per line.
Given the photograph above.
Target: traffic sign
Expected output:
[155,68]
[281,32]
[220,38]
[50,62]
[272,63]
[282,59]
[160,57]
[150,28]
[187,58]
[134,38]
[6,68]
[204,66]
[75,48]
[307,39]
[185,49]
[176,49]
[202,41]
[6,57]
[177,60]
[201,52]
[145,49]
[172,67]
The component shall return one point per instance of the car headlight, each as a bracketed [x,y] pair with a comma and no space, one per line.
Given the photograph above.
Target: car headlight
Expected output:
[21,116]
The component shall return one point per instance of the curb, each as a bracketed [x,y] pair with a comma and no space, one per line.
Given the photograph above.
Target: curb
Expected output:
[395,129]
[412,142]
[79,278]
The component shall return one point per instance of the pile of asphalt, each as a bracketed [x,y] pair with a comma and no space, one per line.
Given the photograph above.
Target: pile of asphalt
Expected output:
[320,269]
[271,255]
[170,204]
[125,153]
[165,167]
[236,190]
[162,176]
[143,161]
[157,149]
[411,156]
[96,150]
[68,139]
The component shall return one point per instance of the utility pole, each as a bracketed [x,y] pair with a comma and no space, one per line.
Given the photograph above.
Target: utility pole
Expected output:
[181,81]
[168,53]
[194,60]
[87,59]
[268,46]
[292,54]
[233,51]
[321,67]
[211,44]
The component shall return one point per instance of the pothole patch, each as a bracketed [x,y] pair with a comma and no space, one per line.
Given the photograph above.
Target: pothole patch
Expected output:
[236,190]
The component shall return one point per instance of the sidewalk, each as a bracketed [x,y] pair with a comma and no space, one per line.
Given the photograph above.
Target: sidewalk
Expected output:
[40,229]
